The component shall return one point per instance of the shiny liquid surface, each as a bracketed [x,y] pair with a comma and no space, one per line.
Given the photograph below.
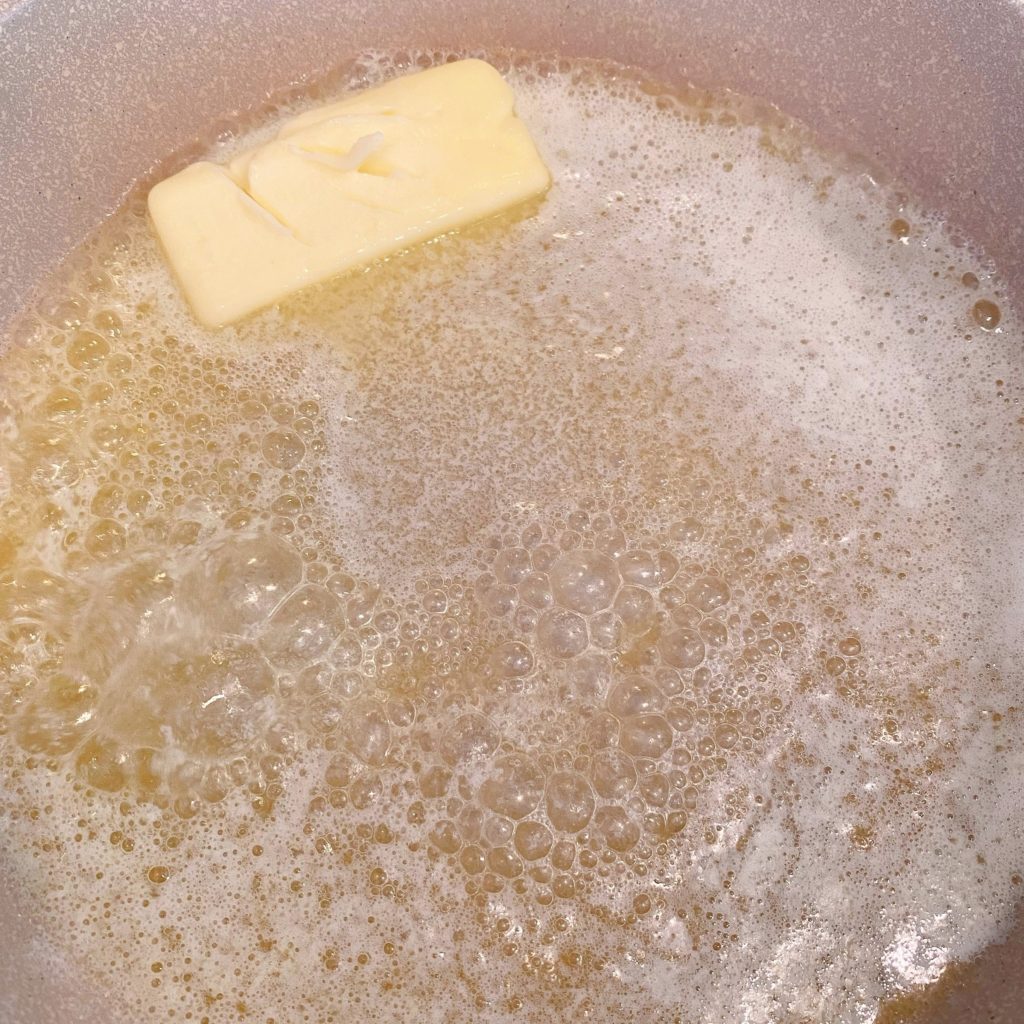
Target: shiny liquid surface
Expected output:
[609,611]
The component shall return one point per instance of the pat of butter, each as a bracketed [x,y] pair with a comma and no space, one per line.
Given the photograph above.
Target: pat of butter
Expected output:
[346,184]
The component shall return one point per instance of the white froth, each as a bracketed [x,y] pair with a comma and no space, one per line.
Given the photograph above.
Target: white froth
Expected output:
[705,319]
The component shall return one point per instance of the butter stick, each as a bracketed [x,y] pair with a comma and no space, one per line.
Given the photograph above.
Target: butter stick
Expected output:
[345,184]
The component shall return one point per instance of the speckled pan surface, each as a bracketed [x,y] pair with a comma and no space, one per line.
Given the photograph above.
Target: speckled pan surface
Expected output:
[93,94]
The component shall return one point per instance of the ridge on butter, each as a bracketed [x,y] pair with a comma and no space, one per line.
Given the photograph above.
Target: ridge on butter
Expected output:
[344,184]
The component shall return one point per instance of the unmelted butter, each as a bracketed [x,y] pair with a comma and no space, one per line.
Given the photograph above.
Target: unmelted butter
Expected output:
[345,184]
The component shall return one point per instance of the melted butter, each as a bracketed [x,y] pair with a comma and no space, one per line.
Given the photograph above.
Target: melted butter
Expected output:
[583,614]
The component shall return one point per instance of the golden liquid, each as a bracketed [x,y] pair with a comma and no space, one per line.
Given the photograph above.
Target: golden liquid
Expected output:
[506,631]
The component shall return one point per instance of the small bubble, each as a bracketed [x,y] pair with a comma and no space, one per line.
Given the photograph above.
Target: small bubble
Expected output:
[619,831]
[502,861]
[680,717]
[435,602]
[835,666]
[635,606]
[543,557]
[512,565]
[532,535]
[87,350]
[589,676]
[445,836]
[303,627]
[470,738]
[613,774]
[584,581]
[900,229]
[512,659]
[708,593]
[784,632]
[654,788]
[688,531]
[683,648]
[606,631]
[563,634]
[634,696]
[638,568]
[535,591]
[62,404]
[514,788]
[564,887]
[105,538]
[472,860]
[367,733]
[283,449]
[611,542]
[366,790]
[570,801]
[986,314]
[532,840]
[726,737]
[646,736]
[563,855]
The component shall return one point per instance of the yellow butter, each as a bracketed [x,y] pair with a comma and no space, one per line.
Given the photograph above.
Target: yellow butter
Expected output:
[345,184]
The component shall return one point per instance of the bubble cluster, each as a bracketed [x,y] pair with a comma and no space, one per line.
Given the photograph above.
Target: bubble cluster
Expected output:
[599,613]
[657,684]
